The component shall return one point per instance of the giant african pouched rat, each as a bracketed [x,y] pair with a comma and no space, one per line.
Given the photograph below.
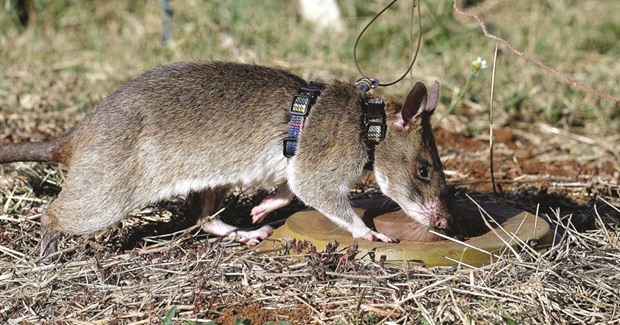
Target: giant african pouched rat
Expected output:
[198,128]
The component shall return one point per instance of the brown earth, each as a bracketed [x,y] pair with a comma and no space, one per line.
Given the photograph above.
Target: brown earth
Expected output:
[230,312]
[519,158]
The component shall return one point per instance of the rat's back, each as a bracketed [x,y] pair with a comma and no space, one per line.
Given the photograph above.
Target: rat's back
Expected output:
[191,125]
[174,130]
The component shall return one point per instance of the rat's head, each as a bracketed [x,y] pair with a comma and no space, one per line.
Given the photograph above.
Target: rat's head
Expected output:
[407,165]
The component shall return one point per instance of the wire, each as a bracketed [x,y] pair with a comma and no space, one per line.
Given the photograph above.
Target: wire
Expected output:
[416,51]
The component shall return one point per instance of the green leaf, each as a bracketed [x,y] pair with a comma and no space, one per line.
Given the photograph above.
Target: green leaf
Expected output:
[168,319]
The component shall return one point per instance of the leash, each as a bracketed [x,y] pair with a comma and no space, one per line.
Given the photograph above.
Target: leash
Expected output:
[413,59]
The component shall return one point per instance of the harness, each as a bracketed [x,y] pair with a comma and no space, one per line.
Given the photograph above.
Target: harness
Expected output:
[373,118]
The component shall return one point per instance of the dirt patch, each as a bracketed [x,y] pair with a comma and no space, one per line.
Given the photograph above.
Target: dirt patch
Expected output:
[519,158]
[229,312]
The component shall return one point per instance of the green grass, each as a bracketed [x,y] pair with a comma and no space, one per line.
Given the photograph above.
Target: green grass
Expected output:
[88,48]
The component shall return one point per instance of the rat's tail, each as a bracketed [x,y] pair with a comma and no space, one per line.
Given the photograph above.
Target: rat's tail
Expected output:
[46,151]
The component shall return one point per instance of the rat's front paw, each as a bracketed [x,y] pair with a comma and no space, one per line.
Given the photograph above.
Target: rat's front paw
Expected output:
[374,236]
[269,204]
[253,237]
[258,213]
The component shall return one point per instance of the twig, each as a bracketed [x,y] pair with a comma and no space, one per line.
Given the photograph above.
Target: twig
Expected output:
[462,243]
[492,229]
[491,121]
[569,81]
[363,277]
[611,205]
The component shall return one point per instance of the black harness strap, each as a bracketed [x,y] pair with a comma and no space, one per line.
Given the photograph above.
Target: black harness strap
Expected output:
[299,109]
[373,120]
[374,126]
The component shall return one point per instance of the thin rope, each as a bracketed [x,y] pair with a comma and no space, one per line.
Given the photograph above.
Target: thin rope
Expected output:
[416,51]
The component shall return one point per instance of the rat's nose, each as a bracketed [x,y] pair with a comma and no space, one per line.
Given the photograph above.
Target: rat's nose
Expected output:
[441,223]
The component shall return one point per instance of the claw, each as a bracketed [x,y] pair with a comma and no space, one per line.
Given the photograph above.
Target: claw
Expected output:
[258,213]
[253,237]
[282,197]
[249,237]
[375,236]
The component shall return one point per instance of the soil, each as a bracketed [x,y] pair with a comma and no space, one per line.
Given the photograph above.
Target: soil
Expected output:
[519,160]
[231,312]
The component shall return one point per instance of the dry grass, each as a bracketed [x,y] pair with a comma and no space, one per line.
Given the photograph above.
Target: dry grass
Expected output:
[77,52]
[574,281]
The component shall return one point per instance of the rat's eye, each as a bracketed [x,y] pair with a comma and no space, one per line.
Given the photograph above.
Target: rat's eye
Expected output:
[424,172]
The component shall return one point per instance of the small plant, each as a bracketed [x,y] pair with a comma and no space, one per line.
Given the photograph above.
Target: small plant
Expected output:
[506,318]
[244,321]
[476,66]
[172,311]
[169,314]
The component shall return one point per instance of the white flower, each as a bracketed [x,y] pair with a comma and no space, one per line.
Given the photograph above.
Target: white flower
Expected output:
[478,64]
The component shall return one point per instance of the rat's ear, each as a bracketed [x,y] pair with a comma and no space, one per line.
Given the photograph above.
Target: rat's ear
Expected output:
[433,98]
[414,105]
[418,101]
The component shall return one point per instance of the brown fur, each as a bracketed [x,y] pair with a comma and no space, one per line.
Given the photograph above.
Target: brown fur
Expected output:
[199,127]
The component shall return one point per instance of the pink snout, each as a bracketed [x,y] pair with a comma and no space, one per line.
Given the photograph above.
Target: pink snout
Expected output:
[440,222]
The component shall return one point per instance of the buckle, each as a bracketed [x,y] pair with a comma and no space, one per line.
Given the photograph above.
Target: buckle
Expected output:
[299,109]
[374,122]
[305,98]
[300,105]
[287,151]
[365,84]
[375,131]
